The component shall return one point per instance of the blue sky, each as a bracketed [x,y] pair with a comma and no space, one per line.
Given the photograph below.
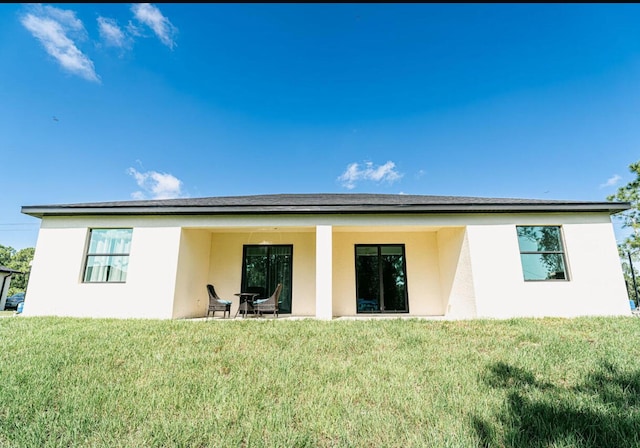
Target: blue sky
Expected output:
[102,102]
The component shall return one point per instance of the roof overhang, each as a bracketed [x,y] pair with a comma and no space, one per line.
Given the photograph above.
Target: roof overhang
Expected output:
[7,270]
[39,211]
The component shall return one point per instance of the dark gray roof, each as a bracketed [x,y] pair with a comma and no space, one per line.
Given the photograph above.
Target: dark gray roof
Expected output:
[9,270]
[323,203]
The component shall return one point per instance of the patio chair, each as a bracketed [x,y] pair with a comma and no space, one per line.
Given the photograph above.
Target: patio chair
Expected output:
[217,304]
[269,305]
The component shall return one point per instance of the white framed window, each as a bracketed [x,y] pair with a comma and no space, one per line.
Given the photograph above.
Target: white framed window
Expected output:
[107,258]
[542,253]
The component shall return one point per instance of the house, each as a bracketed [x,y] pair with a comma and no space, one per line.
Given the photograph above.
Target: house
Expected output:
[336,255]
[5,281]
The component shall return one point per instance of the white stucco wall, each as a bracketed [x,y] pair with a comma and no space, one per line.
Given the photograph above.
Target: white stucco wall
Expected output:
[595,285]
[56,287]
[191,298]
[324,272]
[456,275]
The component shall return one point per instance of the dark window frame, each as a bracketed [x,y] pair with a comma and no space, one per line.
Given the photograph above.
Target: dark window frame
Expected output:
[243,280]
[562,253]
[101,254]
[380,277]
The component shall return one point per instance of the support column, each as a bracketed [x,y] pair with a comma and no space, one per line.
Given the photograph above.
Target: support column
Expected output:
[324,268]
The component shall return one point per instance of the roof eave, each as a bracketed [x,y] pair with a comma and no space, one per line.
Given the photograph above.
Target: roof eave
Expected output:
[598,207]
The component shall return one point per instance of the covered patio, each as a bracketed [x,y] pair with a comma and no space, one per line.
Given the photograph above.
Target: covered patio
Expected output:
[329,271]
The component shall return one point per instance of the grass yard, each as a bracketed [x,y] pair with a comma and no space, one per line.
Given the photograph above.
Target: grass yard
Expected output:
[385,383]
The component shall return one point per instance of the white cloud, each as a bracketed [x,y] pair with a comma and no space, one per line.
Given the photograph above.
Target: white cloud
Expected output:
[350,176]
[133,30]
[382,173]
[612,181]
[151,16]
[55,28]
[64,16]
[111,33]
[156,185]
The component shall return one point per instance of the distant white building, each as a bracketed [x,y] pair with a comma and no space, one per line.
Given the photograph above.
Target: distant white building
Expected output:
[335,254]
[5,281]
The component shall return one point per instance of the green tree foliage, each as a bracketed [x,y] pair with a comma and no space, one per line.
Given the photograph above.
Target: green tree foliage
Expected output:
[6,253]
[631,220]
[628,277]
[18,260]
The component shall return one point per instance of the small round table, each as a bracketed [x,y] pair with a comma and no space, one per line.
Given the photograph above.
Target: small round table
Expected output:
[246,302]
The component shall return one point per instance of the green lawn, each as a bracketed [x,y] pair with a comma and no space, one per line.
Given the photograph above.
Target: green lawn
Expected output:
[386,383]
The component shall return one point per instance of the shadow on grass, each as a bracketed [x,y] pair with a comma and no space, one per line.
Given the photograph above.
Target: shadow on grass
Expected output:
[602,411]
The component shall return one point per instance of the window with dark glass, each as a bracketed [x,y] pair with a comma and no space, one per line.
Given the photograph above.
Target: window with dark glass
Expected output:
[263,267]
[542,253]
[107,255]
[381,278]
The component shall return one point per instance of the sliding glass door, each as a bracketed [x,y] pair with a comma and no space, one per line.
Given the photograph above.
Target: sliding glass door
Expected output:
[381,278]
[263,267]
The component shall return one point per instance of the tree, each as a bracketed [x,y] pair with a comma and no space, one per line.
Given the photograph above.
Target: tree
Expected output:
[632,286]
[6,253]
[631,218]
[20,261]
[630,247]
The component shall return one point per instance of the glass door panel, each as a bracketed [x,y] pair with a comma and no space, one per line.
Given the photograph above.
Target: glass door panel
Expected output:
[264,267]
[367,279]
[381,283]
[393,278]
